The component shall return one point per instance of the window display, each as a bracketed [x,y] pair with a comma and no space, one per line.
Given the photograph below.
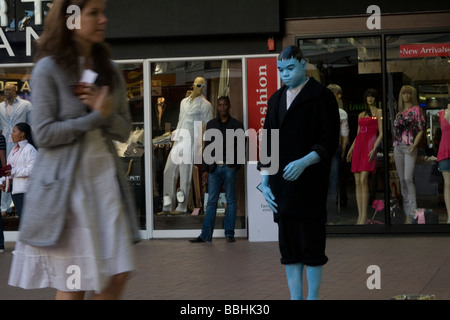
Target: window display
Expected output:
[132,152]
[184,96]
[353,66]
[409,180]
[16,80]
[418,77]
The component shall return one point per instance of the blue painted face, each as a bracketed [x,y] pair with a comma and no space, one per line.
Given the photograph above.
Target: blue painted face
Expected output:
[292,72]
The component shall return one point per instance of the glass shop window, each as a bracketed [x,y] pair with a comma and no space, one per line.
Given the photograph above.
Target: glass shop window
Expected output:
[132,151]
[179,196]
[19,77]
[351,68]
[418,69]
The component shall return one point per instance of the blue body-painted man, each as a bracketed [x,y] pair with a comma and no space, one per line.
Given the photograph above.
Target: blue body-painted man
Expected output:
[307,116]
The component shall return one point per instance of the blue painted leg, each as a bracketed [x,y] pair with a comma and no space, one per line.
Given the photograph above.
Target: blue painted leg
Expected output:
[314,276]
[294,274]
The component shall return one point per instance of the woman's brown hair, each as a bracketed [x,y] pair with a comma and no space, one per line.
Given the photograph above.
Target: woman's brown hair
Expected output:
[56,41]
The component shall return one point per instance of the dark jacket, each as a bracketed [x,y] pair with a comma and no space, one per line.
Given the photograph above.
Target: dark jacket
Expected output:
[310,124]
[238,144]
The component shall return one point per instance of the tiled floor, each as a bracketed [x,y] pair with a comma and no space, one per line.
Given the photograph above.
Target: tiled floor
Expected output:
[179,270]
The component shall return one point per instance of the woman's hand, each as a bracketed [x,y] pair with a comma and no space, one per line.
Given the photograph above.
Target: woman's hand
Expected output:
[96,98]
[8,173]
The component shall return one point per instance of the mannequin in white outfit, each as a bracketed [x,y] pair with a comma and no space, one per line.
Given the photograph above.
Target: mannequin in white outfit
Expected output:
[192,108]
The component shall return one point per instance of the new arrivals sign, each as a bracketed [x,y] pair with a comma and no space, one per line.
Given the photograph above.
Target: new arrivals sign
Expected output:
[425,50]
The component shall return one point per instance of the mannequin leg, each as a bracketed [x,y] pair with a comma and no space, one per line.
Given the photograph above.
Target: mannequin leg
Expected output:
[446,175]
[410,163]
[314,276]
[364,195]
[358,195]
[185,184]
[294,274]
[399,158]
[171,172]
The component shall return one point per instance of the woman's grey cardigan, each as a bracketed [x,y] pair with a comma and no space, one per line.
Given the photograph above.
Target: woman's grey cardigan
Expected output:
[59,122]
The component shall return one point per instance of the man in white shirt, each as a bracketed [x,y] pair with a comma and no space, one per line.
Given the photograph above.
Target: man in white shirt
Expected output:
[336,162]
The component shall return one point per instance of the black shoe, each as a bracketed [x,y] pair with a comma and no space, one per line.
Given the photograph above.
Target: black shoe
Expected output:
[231,239]
[197,240]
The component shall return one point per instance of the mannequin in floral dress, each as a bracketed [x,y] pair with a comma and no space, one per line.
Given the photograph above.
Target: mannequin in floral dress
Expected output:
[409,124]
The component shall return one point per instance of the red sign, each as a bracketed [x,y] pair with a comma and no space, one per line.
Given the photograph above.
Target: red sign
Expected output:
[261,84]
[425,50]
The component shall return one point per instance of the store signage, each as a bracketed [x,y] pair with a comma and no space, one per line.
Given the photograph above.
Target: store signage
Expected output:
[21,87]
[12,24]
[5,45]
[262,82]
[425,50]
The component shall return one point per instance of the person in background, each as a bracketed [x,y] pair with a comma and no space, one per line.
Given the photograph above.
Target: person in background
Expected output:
[335,176]
[219,173]
[21,160]
[3,164]
[13,110]
[79,209]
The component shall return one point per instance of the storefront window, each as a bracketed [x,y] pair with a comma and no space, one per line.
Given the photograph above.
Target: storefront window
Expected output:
[132,151]
[179,196]
[416,95]
[419,64]
[351,67]
[20,77]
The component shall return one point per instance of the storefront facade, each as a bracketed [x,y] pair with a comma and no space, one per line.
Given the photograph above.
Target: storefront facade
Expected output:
[384,51]
[161,51]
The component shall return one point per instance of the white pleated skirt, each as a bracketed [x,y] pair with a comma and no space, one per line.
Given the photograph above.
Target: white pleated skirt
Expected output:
[96,241]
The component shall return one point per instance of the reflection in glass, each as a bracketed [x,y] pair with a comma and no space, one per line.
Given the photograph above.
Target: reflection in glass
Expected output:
[132,151]
[353,64]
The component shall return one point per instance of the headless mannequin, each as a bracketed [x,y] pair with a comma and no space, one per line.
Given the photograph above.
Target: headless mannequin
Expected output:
[192,108]
[362,178]
[446,174]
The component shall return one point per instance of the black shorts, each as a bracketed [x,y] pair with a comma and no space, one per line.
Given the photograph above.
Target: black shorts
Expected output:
[302,240]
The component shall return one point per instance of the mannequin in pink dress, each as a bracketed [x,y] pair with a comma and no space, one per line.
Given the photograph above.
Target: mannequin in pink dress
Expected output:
[363,151]
[443,157]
